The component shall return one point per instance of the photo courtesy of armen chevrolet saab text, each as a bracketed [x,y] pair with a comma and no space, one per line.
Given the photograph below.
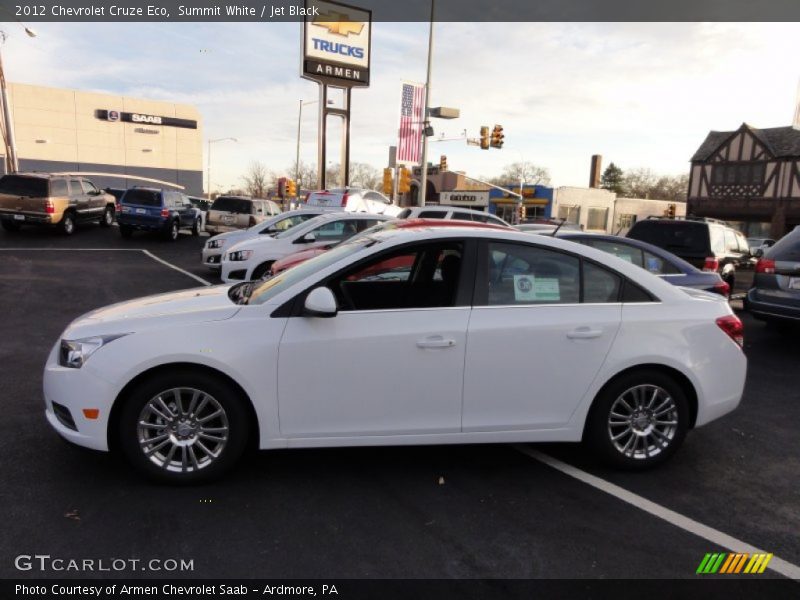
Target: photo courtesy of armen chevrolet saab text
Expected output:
[180,383]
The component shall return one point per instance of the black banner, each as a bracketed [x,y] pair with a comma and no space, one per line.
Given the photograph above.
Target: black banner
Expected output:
[143,119]
[408,10]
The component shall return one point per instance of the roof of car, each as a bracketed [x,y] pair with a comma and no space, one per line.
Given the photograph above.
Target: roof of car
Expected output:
[32,174]
[417,222]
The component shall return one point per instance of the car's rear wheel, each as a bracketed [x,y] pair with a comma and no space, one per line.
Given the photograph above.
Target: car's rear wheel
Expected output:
[9,225]
[183,427]
[171,234]
[125,231]
[639,420]
[107,219]
[262,269]
[67,224]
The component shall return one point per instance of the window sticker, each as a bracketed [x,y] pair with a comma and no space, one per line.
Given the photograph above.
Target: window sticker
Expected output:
[653,264]
[528,288]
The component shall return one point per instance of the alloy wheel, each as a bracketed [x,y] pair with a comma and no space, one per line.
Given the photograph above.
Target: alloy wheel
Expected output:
[183,430]
[643,421]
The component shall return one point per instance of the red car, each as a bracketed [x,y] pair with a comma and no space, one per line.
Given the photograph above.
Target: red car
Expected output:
[298,257]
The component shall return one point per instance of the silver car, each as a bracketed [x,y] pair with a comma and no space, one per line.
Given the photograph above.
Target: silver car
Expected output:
[229,213]
[216,246]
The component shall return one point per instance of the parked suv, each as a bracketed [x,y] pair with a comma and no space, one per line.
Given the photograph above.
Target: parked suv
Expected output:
[707,244]
[775,294]
[162,211]
[450,212]
[60,200]
[229,213]
[353,199]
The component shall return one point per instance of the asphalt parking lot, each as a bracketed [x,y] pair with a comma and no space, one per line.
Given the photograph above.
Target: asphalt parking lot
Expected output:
[493,511]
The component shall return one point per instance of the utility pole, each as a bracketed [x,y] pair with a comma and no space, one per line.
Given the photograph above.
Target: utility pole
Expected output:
[423,179]
[12,164]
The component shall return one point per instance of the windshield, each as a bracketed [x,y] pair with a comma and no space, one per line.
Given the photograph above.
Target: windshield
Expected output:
[311,222]
[35,187]
[268,289]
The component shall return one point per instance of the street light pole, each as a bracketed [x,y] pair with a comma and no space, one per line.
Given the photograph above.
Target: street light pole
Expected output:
[12,162]
[210,141]
[423,179]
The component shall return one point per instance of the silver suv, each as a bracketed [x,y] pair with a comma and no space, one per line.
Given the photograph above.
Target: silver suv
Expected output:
[229,213]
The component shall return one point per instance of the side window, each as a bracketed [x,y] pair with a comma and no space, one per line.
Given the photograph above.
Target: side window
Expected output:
[627,253]
[744,247]
[75,188]
[730,241]
[659,266]
[717,240]
[88,187]
[463,216]
[600,285]
[522,274]
[431,214]
[422,276]
[366,224]
[58,187]
[336,231]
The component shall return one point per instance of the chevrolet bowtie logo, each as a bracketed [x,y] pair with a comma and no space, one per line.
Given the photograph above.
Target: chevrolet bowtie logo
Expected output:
[337,24]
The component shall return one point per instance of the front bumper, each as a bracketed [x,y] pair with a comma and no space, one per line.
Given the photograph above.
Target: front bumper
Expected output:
[212,258]
[76,390]
[233,271]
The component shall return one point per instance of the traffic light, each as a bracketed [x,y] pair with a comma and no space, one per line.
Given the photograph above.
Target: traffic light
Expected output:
[404,181]
[497,137]
[442,163]
[388,182]
[282,187]
[521,213]
[671,211]
[291,188]
[484,138]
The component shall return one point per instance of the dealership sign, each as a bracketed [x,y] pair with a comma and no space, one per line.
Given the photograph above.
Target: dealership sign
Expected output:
[142,119]
[464,198]
[336,44]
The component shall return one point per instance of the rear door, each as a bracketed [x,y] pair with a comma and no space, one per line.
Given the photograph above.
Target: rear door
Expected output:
[541,327]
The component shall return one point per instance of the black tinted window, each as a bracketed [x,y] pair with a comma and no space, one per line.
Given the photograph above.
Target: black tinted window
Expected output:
[23,186]
[233,205]
[786,248]
[404,213]
[633,293]
[431,214]
[142,198]
[676,236]
[600,285]
[58,187]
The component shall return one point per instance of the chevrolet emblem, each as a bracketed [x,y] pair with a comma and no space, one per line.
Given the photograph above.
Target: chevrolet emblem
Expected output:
[337,24]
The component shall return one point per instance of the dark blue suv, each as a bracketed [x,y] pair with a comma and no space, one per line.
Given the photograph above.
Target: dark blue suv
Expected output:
[163,211]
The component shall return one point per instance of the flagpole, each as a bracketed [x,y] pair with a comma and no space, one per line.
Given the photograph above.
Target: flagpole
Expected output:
[423,179]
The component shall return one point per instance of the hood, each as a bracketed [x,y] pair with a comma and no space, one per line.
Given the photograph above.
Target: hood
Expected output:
[188,306]
[232,235]
[251,242]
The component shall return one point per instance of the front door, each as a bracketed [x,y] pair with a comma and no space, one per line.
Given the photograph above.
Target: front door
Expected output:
[391,361]
[536,339]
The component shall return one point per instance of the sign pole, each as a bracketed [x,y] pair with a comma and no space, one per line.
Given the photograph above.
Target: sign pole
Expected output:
[322,137]
[423,180]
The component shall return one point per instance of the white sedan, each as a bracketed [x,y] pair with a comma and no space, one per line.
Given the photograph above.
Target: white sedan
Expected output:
[423,336]
[253,257]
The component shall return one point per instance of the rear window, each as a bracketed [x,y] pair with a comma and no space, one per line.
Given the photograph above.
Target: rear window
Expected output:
[676,236]
[786,248]
[23,186]
[324,199]
[142,198]
[241,206]
[404,214]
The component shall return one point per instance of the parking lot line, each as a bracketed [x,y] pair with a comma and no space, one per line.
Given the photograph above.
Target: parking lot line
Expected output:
[714,536]
[146,252]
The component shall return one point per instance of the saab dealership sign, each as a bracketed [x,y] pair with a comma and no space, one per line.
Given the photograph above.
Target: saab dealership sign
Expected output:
[336,44]
[464,198]
[142,119]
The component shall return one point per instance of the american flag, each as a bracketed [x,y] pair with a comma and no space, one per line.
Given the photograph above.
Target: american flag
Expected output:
[411,106]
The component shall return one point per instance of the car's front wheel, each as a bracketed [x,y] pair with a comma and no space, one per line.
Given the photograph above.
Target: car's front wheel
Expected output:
[196,226]
[639,420]
[183,427]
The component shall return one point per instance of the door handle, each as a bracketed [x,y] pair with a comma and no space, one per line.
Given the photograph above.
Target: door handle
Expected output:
[584,333]
[435,341]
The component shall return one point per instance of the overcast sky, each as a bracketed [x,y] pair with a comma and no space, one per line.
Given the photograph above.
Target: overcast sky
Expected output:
[642,95]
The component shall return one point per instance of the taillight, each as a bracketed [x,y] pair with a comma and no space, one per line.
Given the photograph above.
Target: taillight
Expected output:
[118,208]
[344,200]
[723,288]
[732,325]
[711,264]
[252,221]
[765,265]
[49,208]
[164,212]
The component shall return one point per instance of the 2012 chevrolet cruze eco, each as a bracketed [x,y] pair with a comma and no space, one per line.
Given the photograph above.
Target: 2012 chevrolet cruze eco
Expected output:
[426,336]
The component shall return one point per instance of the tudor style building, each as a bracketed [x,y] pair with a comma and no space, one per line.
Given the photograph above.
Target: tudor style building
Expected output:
[749,175]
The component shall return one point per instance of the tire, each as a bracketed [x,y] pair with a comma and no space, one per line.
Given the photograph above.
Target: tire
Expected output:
[262,269]
[172,232]
[126,231]
[107,220]
[10,225]
[638,446]
[153,401]
[67,225]
[196,227]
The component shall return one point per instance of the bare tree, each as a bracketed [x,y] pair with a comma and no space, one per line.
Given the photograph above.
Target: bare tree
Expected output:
[522,171]
[644,183]
[365,175]
[257,180]
[306,175]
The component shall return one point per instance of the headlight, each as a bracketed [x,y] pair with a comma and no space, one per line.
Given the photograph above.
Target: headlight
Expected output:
[74,353]
[240,255]
[216,243]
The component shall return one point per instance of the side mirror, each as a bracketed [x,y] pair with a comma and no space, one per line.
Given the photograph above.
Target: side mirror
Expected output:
[320,303]
[308,238]
[758,253]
